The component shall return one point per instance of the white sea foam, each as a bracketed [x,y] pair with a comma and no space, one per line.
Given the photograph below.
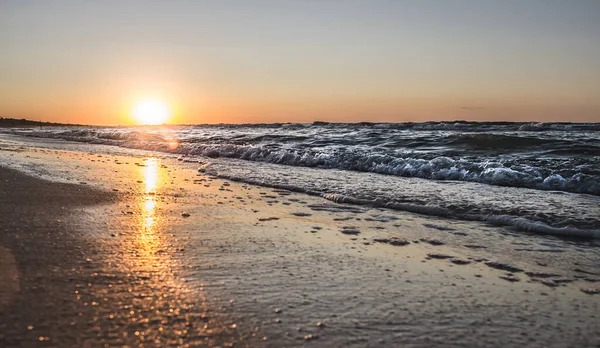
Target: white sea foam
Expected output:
[542,228]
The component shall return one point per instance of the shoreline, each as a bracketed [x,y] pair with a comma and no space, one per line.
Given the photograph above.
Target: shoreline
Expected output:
[263,266]
[521,224]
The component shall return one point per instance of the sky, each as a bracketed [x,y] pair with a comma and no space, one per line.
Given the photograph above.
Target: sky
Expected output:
[299,61]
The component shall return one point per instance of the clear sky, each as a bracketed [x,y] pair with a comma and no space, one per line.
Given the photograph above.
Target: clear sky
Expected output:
[300,61]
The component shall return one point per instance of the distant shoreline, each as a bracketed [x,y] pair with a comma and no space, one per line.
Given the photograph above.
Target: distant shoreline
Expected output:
[25,123]
[19,123]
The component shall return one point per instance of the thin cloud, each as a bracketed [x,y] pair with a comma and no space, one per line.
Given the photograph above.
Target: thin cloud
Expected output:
[473,108]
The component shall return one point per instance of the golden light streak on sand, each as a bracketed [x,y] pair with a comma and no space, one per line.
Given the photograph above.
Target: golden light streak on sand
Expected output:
[150,174]
[149,240]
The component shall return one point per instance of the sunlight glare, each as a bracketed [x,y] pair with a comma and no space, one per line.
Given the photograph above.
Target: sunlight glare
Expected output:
[151,112]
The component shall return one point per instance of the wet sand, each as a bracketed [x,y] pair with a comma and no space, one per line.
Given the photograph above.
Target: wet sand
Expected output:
[64,281]
[146,250]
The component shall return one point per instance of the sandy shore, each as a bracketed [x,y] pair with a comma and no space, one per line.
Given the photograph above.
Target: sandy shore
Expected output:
[65,281]
[145,250]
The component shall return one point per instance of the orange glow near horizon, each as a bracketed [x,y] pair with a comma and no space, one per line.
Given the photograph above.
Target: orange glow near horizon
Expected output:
[197,62]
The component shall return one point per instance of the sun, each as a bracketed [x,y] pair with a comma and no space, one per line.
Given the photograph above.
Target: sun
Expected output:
[151,112]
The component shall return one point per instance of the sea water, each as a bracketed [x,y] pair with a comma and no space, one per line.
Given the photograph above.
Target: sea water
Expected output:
[536,177]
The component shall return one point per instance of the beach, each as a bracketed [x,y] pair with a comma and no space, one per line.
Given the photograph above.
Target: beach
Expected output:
[300,174]
[114,246]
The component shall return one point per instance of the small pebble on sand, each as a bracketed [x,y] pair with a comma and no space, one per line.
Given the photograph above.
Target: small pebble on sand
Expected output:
[591,291]
[510,278]
[439,256]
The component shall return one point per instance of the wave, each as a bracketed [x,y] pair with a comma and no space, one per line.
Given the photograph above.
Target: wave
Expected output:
[499,141]
[518,223]
[467,126]
[437,168]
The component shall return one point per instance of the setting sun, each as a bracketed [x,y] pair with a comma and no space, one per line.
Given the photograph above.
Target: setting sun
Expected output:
[151,112]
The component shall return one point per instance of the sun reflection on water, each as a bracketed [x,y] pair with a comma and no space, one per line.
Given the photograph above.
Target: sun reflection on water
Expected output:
[150,174]
[149,239]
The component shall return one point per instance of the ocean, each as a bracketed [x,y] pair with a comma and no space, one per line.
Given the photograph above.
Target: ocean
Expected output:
[534,177]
